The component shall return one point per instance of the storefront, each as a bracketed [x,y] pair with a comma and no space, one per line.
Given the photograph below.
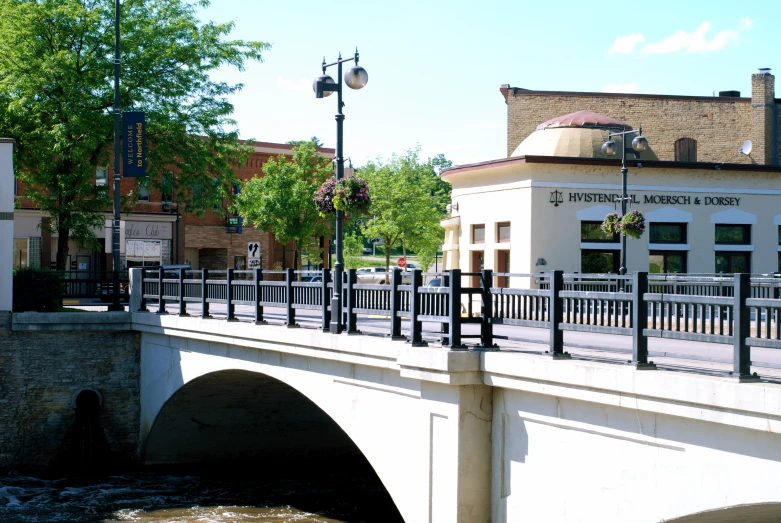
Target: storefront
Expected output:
[542,209]
[147,243]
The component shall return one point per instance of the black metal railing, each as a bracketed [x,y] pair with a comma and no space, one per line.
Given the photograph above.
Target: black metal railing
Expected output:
[741,310]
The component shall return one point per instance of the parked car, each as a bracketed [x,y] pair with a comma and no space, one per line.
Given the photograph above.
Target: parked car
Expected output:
[367,250]
[312,279]
[410,267]
[434,282]
[372,275]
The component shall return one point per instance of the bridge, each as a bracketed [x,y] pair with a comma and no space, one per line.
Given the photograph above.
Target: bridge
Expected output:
[509,427]
[553,397]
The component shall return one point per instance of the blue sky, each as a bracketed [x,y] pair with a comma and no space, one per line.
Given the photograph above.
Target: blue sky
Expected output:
[435,67]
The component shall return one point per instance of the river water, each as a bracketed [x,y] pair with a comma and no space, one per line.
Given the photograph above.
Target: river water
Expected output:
[179,498]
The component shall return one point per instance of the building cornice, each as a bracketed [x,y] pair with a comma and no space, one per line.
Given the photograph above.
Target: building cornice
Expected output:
[650,164]
[506,90]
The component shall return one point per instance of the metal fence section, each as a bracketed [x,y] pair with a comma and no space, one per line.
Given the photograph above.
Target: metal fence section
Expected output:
[741,310]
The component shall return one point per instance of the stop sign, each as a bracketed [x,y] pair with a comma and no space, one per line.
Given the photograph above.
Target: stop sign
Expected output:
[402,262]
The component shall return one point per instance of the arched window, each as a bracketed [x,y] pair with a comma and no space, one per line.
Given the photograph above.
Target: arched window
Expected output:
[686,150]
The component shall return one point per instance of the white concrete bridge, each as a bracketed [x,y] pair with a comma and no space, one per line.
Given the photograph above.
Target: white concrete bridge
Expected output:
[464,436]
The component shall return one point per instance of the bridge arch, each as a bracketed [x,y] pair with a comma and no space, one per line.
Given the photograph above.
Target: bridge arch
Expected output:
[350,402]
[239,415]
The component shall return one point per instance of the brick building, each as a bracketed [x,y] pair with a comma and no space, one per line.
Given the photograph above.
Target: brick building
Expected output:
[681,128]
[155,233]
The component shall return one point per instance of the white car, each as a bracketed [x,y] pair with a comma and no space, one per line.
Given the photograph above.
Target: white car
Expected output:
[373,275]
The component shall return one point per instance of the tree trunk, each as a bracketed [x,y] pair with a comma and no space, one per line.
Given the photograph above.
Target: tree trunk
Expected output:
[387,255]
[62,248]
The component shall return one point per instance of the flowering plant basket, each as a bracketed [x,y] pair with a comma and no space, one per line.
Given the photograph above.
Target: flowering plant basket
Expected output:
[350,195]
[612,223]
[633,224]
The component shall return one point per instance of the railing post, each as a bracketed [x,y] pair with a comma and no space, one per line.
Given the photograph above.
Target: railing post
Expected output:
[142,306]
[229,296]
[258,277]
[556,317]
[290,310]
[350,294]
[395,320]
[640,322]
[160,300]
[415,325]
[204,294]
[741,370]
[326,299]
[454,310]
[487,310]
[182,303]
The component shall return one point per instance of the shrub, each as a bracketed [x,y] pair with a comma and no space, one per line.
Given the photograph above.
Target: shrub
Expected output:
[37,290]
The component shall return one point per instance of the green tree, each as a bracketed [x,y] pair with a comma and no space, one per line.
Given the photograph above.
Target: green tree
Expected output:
[56,101]
[315,140]
[281,202]
[408,201]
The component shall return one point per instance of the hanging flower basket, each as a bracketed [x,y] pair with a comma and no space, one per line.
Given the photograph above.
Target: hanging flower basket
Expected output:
[633,224]
[350,195]
[612,224]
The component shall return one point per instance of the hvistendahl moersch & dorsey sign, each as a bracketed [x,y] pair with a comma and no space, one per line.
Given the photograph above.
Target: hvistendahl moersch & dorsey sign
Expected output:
[558,197]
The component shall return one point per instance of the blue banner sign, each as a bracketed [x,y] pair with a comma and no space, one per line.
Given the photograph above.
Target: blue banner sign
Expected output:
[134,159]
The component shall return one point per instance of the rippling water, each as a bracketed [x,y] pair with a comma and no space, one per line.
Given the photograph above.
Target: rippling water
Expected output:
[157,498]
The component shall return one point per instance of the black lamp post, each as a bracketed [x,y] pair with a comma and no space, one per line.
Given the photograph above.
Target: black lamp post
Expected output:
[356,78]
[115,306]
[639,144]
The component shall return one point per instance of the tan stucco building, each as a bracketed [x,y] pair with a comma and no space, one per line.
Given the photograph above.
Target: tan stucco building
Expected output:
[541,208]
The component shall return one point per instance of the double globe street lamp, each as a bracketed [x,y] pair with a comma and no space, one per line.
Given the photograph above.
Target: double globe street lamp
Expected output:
[356,78]
[639,144]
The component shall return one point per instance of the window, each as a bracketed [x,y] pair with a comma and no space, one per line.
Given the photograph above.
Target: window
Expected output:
[167,187]
[503,265]
[686,150]
[20,253]
[732,262]
[594,261]
[143,194]
[503,232]
[591,232]
[478,264]
[101,176]
[667,262]
[478,234]
[668,233]
[733,235]
[143,253]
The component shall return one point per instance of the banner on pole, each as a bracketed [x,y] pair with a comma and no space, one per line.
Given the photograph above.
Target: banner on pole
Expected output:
[134,160]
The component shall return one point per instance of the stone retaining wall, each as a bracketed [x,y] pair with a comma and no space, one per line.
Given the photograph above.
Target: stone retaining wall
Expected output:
[45,359]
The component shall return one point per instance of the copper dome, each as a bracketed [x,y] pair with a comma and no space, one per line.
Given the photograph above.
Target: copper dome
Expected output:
[588,119]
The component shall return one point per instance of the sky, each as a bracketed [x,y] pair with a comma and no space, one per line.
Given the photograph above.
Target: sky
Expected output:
[435,67]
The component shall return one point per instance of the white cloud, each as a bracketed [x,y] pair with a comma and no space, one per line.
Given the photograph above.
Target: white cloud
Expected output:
[626,44]
[620,88]
[697,41]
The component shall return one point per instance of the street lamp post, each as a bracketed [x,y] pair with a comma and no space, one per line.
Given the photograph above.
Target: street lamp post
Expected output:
[639,144]
[115,306]
[356,78]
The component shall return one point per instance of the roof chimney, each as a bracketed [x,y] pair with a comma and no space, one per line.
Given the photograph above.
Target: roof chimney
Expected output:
[729,94]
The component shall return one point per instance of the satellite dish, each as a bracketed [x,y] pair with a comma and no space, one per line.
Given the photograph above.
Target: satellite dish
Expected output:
[746,149]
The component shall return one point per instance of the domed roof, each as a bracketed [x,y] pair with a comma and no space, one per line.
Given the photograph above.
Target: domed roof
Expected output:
[585,119]
[581,135]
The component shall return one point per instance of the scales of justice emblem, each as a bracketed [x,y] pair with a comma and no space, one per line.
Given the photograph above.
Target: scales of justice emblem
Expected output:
[556,197]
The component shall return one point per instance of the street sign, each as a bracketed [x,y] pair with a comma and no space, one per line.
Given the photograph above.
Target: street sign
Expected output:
[253,255]
[401,263]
